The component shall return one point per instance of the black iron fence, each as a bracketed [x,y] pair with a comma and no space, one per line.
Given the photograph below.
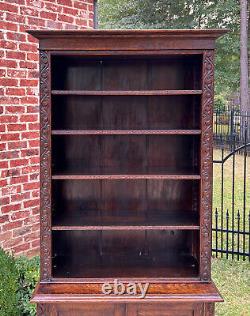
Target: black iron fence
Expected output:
[231,196]
[231,127]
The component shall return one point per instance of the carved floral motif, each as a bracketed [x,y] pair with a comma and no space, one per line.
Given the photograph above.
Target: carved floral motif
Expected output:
[206,164]
[45,177]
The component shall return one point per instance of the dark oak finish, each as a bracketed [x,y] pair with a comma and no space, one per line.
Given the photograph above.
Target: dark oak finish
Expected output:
[126,171]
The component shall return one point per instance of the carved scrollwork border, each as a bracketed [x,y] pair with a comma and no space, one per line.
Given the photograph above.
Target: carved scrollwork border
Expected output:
[45,165]
[206,165]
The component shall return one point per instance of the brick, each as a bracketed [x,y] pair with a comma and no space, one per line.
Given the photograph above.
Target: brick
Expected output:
[30,169]
[8,119]
[3,164]
[34,73]
[11,208]
[18,162]
[20,197]
[4,200]
[28,83]
[32,56]
[35,243]
[34,160]
[8,26]
[11,190]
[16,37]
[3,72]
[29,118]
[9,154]
[26,10]
[53,7]
[15,91]
[20,215]
[31,203]
[5,236]
[13,242]
[8,136]
[8,82]
[29,152]
[80,5]
[8,45]
[16,127]
[33,126]
[30,186]
[13,173]
[36,21]
[16,72]
[14,109]
[23,230]
[28,47]
[34,143]
[48,15]
[65,18]
[30,135]
[30,100]
[8,63]
[70,11]
[19,179]
[34,176]
[4,218]
[65,2]
[17,18]
[17,145]
[9,100]
[32,237]
[15,55]
[8,7]
[12,225]
[21,248]
[28,64]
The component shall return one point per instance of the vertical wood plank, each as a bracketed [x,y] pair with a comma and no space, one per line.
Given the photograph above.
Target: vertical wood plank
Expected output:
[45,171]
[206,165]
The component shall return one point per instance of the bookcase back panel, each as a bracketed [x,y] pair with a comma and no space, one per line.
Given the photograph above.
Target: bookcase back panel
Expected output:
[106,254]
[119,202]
[126,73]
[125,154]
[126,112]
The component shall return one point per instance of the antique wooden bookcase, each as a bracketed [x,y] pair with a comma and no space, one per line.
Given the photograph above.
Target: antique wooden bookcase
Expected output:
[126,171]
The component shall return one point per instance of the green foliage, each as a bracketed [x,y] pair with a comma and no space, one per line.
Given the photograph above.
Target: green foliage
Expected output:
[28,275]
[138,14]
[8,285]
[220,103]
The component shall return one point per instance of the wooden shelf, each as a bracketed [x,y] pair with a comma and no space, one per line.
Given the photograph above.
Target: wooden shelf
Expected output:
[125,177]
[160,265]
[157,291]
[126,92]
[125,220]
[126,132]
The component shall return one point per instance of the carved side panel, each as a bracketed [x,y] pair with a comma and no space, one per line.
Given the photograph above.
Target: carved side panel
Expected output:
[42,310]
[45,165]
[206,165]
[209,309]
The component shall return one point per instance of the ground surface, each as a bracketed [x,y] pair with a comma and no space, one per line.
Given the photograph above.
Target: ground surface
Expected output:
[233,281]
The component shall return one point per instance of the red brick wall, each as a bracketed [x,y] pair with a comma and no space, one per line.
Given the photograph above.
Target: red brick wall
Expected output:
[19,112]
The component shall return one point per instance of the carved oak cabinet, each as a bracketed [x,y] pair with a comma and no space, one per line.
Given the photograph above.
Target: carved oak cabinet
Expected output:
[126,171]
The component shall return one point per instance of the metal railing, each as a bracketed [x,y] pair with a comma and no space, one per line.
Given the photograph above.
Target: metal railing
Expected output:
[230,231]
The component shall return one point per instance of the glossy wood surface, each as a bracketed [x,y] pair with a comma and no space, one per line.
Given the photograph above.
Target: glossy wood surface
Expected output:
[72,292]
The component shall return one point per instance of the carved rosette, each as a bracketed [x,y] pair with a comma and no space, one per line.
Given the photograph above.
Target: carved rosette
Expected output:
[45,172]
[206,165]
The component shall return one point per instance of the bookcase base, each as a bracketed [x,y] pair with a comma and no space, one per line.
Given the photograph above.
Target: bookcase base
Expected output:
[126,309]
